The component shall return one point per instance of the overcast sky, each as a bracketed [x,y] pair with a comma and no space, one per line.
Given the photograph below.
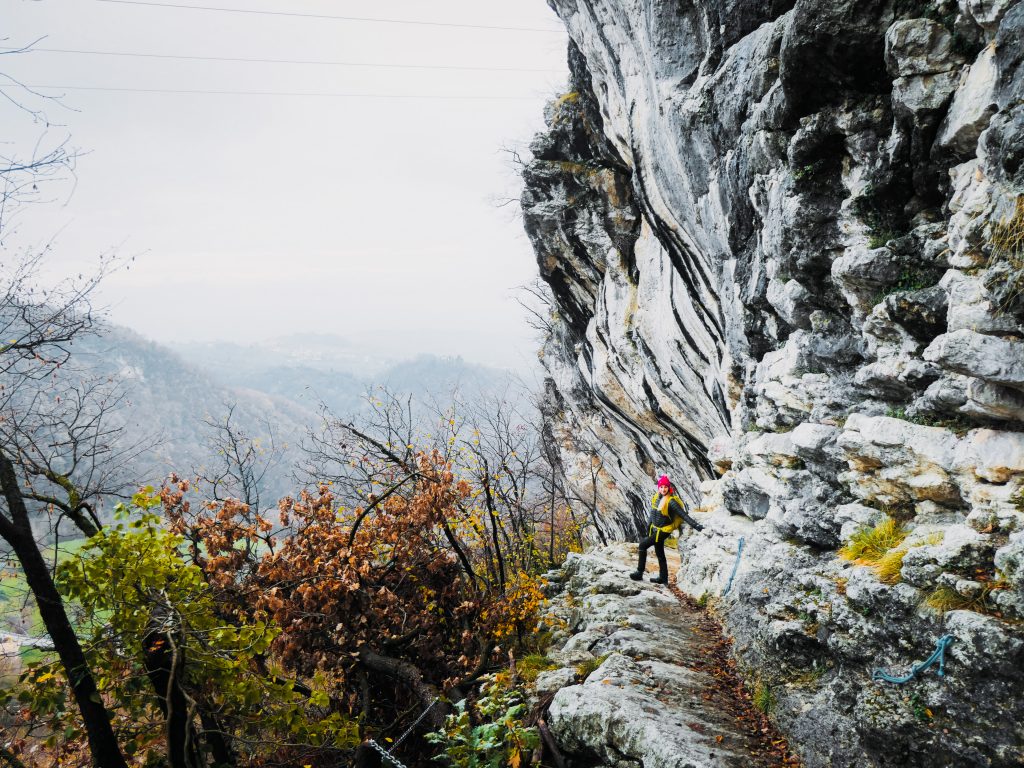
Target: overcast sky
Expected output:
[252,216]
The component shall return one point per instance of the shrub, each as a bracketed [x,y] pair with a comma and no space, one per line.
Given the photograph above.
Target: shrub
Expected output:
[501,738]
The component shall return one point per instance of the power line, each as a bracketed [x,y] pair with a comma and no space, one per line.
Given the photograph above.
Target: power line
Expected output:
[278,61]
[315,94]
[329,16]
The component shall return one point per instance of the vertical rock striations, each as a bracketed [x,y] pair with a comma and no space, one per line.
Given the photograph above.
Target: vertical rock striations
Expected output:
[785,242]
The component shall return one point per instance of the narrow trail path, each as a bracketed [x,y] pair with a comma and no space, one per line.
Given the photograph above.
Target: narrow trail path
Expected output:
[666,693]
[729,694]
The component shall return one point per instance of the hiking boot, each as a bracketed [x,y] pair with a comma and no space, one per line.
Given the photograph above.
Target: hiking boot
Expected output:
[637,576]
[659,580]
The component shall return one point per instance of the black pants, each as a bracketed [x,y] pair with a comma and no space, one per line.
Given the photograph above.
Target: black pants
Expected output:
[659,551]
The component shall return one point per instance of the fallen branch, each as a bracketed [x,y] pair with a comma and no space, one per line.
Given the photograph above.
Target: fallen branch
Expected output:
[549,742]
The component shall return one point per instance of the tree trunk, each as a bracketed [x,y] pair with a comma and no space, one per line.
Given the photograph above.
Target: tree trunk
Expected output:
[494,526]
[102,743]
[408,674]
[165,666]
[105,751]
[216,739]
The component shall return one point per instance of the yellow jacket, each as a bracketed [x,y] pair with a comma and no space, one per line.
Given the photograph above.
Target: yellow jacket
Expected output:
[667,514]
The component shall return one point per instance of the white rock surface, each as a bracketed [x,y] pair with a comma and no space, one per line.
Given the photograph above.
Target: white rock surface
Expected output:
[1000,361]
[972,108]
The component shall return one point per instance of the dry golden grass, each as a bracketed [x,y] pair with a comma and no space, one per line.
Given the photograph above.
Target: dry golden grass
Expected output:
[1007,241]
[1008,236]
[889,565]
[869,545]
[945,599]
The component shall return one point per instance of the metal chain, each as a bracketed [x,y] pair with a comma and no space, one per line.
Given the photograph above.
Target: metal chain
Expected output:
[387,753]
[417,722]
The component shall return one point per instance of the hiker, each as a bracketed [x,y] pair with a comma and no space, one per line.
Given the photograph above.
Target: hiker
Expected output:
[667,513]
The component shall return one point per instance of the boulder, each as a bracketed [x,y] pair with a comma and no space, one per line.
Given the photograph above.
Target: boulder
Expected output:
[866,269]
[967,352]
[813,442]
[970,306]
[919,47]
[993,456]
[892,461]
[986,13]
[922,96]
[993,401]
[961,550]
[792,301]
[922,312]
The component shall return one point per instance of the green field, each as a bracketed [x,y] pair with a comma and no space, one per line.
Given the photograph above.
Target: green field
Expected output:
[18,612]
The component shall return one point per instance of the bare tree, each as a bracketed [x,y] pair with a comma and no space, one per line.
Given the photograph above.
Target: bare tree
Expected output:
[24,175]
[53,444]
[520,513]
[537,300]
[240,461]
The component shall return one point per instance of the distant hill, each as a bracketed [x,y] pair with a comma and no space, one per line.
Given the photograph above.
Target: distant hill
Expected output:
[313,368]
[274,389]
[319,351]
[169,398]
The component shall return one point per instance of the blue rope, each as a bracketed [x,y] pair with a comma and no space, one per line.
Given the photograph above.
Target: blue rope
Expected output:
[938,655]
[735,566]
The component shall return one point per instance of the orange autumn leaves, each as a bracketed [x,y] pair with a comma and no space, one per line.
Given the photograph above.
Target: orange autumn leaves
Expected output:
[384,577]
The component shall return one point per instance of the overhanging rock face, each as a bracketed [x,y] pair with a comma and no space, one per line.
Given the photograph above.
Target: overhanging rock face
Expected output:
[786,247]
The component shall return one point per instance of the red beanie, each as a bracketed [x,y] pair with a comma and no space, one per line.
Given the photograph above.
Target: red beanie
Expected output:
[663,480]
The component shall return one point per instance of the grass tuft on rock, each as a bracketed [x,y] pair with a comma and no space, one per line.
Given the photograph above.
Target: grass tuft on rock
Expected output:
[1005,279]
[889,565]
[585,668]
[530,666]
[764,698]
[869,545]
[945,599]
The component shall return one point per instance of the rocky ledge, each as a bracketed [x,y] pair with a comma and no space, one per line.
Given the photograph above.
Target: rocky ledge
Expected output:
[651,695]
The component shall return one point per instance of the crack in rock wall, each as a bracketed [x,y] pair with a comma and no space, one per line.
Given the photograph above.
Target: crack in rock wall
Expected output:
[785,244]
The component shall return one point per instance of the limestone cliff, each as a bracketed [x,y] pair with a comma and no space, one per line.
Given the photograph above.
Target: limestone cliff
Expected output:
[785,242]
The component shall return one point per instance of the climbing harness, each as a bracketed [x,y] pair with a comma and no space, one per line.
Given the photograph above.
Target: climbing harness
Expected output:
[656,533]
[386,754]
[735,566]
[938,655]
